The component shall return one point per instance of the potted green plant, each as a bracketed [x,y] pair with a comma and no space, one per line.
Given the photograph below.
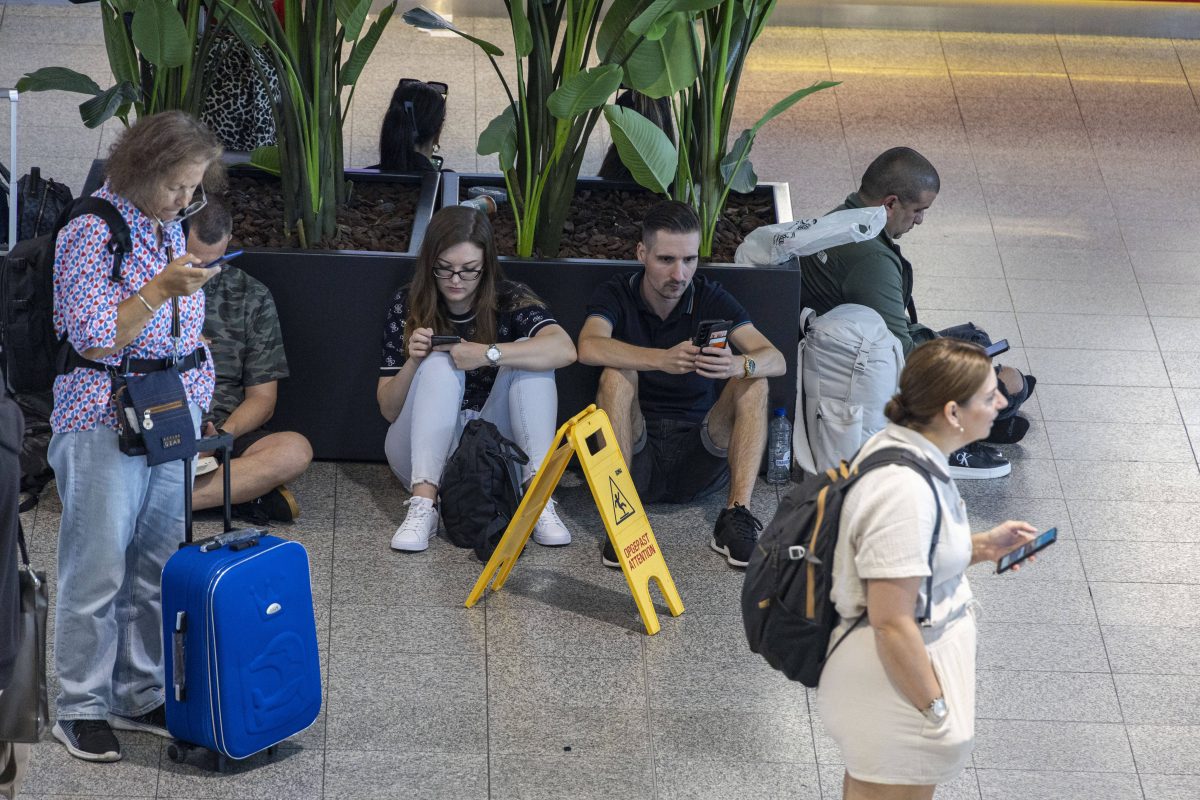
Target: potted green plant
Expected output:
[698,61]
[558,97]
[155,48]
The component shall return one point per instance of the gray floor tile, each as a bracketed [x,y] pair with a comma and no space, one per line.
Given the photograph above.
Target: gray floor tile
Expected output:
[1171,300]
[965,294]
[1058,602]
[1103,480]
[619,729]
[1065,265]
[701,639]
[725,736]
[1152,649]
[546,632]
[1066,746]
[1034,647]
[1159,699]
[1086,331]
[694,779]
[1046,696]
[351,775]
[405,629]
[54,771]
[290,772]
[525,777]
[418,581]
[1109,404]
[1000,784]
[583,682]
[1142,562]
[1183,369]
[1171,749]
[745,689]
[1125,520]
[1119,441]
[1098,367]
[1170,787]
[1177,334]
[1033,478]
[1165,604]
[1152,266]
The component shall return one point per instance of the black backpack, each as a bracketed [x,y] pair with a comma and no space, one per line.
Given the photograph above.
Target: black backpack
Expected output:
[786,607]
[29,347]
[40,202]
[481,487]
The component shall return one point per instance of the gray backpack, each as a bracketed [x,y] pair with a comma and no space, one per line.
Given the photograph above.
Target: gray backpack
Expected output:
[848,368]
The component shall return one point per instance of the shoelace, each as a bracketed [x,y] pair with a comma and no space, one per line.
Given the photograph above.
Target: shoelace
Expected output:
[418,513]
[550,513]
[83,727]
[745,523]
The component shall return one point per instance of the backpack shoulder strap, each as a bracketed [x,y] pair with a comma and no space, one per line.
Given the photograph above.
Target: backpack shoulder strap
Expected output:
[120,241]
[896,455]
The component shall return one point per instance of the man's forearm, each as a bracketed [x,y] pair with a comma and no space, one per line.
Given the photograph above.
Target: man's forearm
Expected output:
[598,351]
[251,415]
[768,362]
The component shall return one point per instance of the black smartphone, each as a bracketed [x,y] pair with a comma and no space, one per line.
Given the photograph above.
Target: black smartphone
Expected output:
[223,261]
[996,348]
[712,333]
[438,341]
[1023,552]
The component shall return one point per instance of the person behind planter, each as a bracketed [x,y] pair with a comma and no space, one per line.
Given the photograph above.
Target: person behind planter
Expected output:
[657,110]
[501,371]
[412,127]
[687,434]
[122,519]
[243,332]
[898,696]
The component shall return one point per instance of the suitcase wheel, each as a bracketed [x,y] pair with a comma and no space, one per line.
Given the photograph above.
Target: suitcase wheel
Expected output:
[178,751]
[272,750]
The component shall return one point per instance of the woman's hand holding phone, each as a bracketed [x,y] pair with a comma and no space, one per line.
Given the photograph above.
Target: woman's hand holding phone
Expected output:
[419,344]
[1000,540]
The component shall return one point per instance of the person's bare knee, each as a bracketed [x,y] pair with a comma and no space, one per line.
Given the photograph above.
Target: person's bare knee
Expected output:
[617,396]
[854,789]
[1013,381]
[740,399]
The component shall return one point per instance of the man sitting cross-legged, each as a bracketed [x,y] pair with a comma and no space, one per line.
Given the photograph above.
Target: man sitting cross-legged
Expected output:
[243,333]
[684,433]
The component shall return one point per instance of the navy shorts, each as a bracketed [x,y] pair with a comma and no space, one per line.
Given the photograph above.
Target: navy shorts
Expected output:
[674,461]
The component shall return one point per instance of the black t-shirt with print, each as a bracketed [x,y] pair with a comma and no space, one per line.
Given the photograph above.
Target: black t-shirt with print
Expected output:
[517,319]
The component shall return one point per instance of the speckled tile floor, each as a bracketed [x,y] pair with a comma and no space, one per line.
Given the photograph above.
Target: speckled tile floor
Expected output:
[1068,223]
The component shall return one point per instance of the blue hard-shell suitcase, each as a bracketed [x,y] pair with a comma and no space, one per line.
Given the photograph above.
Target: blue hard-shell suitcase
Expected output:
[242,667]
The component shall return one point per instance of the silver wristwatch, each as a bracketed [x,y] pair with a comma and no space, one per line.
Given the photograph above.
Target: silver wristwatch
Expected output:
[493,355]
[936,712]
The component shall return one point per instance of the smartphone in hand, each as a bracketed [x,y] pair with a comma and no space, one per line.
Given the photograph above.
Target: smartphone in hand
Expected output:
[712,333]
[223,261]
[438,341]
[996,348]
[1009,560]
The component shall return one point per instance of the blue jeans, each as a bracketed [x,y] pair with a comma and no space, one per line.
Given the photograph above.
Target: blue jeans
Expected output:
[121,521]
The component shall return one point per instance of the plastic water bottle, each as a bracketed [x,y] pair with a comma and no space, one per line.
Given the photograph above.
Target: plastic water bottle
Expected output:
[779,448]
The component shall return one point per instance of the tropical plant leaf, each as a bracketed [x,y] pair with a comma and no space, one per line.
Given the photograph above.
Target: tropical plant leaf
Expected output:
[584,90]
[426,20]
[662,68]
[789,101]
[266,159]
[738,158]
[500,136]
[644,149]
[363,47]
[159,34]
[103,106]
[616,22]
[122,59]
[49,79]
[352,14]
[522,34]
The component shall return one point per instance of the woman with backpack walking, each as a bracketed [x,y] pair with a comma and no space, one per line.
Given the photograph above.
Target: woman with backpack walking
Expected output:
[898,694]
[501,369]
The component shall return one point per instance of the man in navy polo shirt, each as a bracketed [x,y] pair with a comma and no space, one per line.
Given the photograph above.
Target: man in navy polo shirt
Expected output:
[694,419]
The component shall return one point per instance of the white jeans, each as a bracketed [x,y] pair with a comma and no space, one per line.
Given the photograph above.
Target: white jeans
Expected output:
[523,405]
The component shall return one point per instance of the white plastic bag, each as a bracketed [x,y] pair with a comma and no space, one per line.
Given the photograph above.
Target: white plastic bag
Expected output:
[775,244]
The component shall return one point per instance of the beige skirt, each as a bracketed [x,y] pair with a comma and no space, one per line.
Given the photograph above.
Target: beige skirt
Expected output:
[882,737]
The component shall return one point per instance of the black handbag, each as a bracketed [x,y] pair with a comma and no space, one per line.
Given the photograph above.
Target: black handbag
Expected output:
[24,707]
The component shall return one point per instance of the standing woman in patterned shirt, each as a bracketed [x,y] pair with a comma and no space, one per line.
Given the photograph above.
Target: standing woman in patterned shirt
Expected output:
[502,370]
[121,519]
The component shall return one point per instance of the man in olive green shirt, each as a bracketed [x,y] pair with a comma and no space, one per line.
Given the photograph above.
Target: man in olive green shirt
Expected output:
[875,274]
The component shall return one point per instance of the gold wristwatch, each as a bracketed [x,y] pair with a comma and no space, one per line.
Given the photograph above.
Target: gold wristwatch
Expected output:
[747,367]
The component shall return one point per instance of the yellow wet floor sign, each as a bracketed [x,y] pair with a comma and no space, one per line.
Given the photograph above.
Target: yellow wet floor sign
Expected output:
[590,435]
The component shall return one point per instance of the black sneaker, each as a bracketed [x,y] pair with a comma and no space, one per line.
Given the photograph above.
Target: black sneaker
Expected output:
[735,535]
[153,721]
[609,556]
[277,505]
[1008,431]
[978,462]
[89,739]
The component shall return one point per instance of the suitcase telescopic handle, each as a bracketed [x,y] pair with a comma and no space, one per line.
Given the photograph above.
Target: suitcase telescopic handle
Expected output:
[222,443]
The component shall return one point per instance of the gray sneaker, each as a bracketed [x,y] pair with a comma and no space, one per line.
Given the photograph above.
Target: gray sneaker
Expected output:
[89,739]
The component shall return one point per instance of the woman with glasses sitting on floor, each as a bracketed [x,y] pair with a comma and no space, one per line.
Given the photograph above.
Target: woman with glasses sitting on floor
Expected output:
[121,518]
[412,127]
[501,371]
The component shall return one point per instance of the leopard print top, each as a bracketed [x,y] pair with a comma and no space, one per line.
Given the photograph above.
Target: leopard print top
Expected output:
[238,108]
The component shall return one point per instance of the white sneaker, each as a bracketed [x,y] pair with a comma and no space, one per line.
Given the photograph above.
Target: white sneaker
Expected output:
[550,530]
[421,523]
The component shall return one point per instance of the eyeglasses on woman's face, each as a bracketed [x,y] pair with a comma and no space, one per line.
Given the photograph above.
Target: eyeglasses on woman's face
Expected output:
[465,275]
